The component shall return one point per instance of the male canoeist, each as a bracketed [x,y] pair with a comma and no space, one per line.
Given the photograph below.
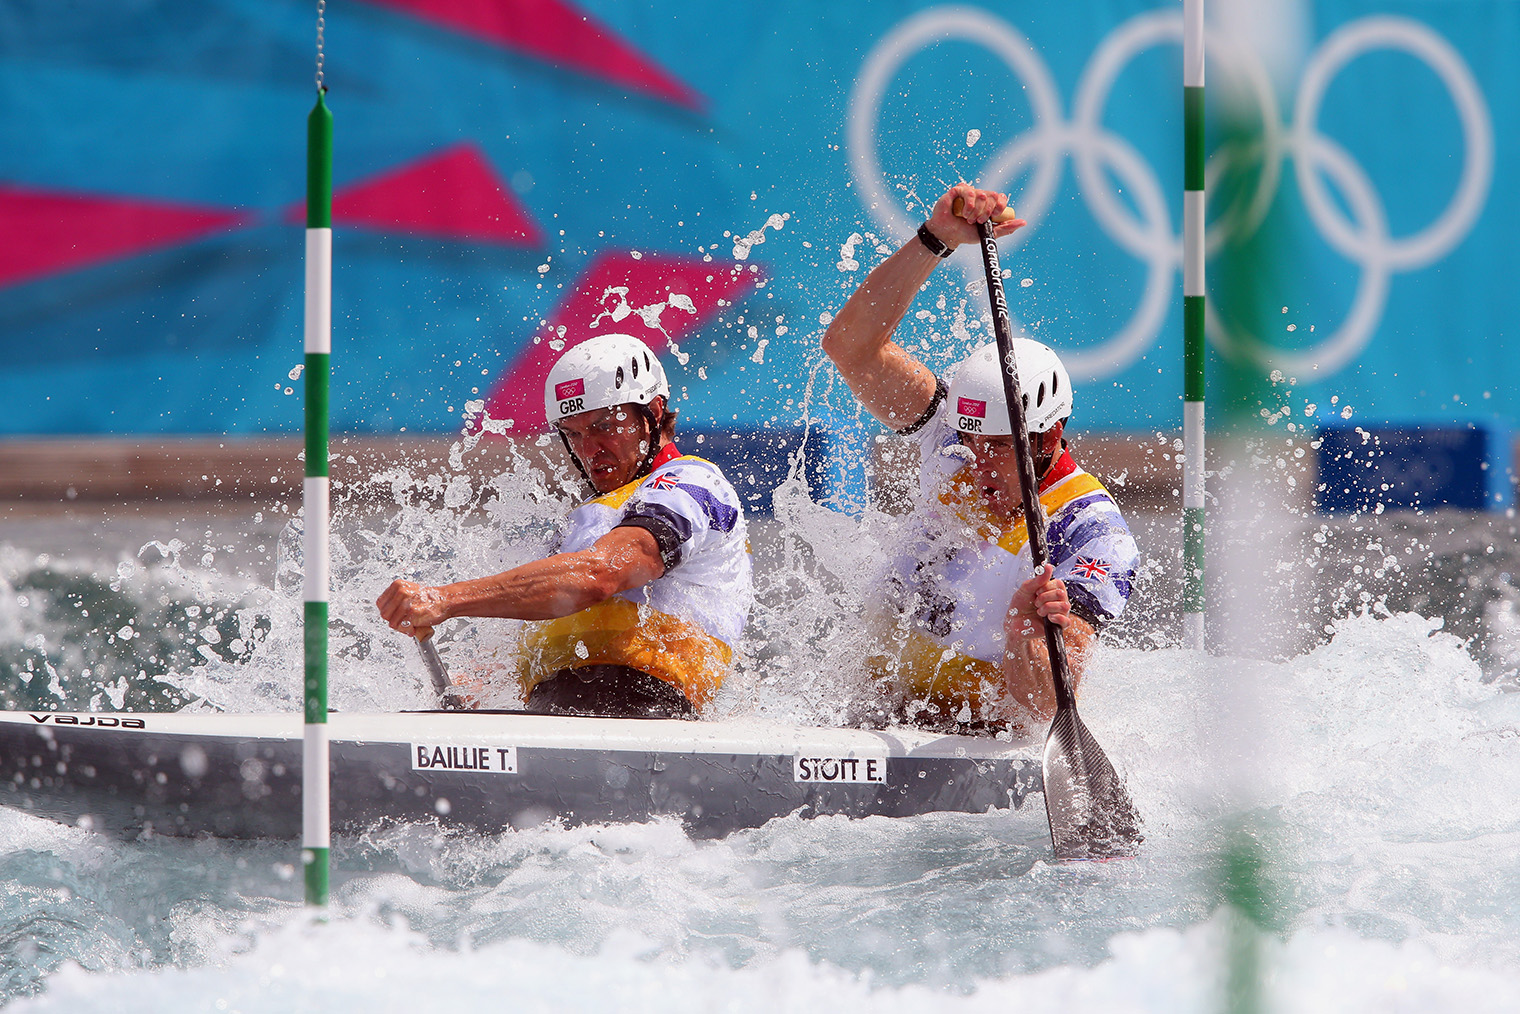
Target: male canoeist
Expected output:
[968,650]
[638,611]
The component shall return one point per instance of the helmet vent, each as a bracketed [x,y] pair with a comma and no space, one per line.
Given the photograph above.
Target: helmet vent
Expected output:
[635,367]
[618,380]
[647,364]
[1055,382]
[1039,398]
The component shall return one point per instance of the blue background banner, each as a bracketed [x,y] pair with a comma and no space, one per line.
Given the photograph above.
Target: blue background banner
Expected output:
[509,177]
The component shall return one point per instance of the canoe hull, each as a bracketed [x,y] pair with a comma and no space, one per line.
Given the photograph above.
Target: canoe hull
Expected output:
[239,776]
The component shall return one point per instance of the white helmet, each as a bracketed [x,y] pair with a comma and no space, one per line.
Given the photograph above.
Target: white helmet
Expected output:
[976,397]
[600,372]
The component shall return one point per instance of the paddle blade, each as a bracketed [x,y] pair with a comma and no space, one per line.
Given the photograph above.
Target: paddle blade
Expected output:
[1091,816]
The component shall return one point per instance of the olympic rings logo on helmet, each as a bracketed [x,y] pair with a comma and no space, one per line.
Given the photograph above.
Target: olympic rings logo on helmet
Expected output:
[1150,237]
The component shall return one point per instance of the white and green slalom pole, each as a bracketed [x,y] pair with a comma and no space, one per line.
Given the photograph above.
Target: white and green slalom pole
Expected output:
[1192,324]
[315,819]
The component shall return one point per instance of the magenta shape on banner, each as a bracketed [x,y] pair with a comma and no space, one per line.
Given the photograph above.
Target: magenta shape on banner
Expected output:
[47,232]
[650,280]
[452,195]
[557,33]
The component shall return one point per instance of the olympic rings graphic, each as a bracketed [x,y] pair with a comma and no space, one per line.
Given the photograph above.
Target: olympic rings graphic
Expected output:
[1148,234]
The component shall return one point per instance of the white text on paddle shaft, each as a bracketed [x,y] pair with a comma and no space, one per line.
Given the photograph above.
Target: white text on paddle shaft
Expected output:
[849,770]
[496,760]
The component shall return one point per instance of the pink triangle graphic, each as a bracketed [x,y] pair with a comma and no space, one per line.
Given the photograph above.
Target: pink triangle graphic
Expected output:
[556,32]
[452,195]
[48,232]
[518,393]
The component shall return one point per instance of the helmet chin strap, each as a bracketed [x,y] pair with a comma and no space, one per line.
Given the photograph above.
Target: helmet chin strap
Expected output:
[654,439]
[1044,460]
[573,459]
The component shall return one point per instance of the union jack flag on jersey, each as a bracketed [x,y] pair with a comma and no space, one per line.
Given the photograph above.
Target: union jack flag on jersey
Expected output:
[1090,568]
[666,481]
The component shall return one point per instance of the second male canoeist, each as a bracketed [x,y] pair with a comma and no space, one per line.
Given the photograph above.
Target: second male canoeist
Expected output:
[638,612]
[964,647]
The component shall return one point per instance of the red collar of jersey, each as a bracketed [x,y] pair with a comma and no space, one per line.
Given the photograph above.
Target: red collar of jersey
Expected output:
[667,454]
[1063,466]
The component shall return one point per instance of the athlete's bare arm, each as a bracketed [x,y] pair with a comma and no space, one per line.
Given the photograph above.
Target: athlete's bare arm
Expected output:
[558,585]
[1026,660]
[893,385]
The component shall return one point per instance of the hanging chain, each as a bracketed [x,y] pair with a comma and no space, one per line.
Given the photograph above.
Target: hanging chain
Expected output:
[321,26]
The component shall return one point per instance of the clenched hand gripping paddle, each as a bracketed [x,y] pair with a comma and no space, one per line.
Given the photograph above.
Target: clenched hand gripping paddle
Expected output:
[1091,815]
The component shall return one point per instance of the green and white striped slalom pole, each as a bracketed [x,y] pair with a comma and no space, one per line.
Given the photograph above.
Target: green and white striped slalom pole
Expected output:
[1192,324]
[315,819]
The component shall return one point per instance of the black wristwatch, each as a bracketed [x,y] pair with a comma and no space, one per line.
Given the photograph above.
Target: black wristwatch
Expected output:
[936,245]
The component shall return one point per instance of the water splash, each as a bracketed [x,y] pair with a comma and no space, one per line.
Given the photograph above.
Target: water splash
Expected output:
[743,244]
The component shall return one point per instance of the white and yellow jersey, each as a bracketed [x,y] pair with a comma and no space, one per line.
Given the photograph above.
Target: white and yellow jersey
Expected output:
[681,626]
[959,568]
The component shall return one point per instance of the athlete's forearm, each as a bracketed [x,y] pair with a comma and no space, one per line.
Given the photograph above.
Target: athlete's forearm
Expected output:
[869,317]
[561,584]
[556,586]
[1027,672]
[892,384]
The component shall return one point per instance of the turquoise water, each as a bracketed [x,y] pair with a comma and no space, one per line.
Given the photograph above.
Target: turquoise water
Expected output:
[1368,749]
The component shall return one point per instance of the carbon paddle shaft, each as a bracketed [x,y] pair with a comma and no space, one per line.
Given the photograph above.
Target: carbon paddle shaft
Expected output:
[1029,483]
[1091,816]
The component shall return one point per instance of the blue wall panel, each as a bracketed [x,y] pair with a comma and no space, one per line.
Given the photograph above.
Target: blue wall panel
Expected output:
[1394,215]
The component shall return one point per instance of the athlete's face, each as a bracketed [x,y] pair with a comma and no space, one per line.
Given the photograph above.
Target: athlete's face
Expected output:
[995,465]
[611,444]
